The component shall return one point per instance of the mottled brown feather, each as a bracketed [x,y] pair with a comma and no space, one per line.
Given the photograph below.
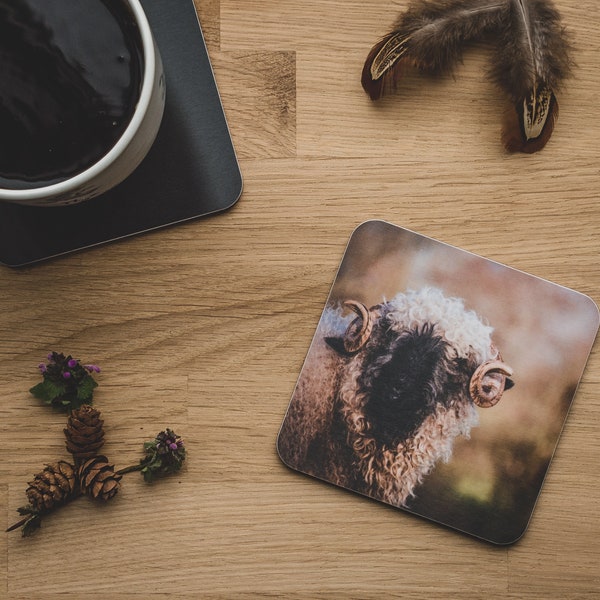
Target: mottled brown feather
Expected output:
[377,86]
[514,137]
[430,36]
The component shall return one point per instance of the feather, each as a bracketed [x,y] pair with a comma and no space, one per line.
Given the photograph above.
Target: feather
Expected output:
[429,36]
[530,64]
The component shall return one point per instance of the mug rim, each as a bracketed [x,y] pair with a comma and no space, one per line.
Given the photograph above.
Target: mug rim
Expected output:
[80,179]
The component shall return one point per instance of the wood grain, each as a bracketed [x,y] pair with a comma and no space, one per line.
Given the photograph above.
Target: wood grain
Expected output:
[204,327]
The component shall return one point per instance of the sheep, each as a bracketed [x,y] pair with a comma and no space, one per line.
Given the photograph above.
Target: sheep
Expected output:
[382,397]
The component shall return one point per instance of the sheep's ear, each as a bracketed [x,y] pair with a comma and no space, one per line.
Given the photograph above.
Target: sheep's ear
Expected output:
[337,344]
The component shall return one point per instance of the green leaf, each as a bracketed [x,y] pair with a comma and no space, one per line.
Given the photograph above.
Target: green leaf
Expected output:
[155,464]
[47,390]
[85,388]
[25,510]
[39,391]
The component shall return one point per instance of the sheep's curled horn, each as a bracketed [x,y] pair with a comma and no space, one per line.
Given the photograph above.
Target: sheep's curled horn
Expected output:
[487,384]
[360,329]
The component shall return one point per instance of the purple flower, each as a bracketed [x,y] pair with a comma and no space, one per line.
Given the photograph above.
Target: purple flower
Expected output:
[164,455]
[66,375]
[50,356]
[92,368]
[42,367]
[72,363]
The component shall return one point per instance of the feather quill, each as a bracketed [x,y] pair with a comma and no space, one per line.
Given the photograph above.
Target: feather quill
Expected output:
[429,36]
[530,64]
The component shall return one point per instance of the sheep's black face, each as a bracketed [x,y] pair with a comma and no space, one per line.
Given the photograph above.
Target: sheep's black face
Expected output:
[405,378]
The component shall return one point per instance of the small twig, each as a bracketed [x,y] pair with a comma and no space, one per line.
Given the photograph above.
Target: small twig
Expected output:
[19,523]
[129,469]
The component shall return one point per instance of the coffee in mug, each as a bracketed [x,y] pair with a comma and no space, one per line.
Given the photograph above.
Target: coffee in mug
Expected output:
[73,75]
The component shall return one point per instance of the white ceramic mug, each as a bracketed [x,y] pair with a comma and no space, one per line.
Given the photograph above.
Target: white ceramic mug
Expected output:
[129,149]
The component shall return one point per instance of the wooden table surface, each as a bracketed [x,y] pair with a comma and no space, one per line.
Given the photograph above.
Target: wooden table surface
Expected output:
[204,327]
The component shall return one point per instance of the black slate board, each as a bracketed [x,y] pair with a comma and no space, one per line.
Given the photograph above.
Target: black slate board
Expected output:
[191,171]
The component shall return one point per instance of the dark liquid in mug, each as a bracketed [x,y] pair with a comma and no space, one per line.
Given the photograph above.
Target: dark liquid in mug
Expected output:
[70,78]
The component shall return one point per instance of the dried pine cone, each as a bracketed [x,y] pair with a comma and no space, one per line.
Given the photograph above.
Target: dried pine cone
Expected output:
[97,478]
[54,486]
[84,433]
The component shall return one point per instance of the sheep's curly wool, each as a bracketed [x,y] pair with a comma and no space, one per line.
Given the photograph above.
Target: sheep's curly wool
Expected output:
[341,425]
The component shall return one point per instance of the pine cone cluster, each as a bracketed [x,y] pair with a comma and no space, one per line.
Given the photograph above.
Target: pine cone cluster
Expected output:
[68,384]
[60,482]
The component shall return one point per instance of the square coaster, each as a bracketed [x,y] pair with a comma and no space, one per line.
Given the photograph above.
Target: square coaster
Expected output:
[190,171]
[438,382]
